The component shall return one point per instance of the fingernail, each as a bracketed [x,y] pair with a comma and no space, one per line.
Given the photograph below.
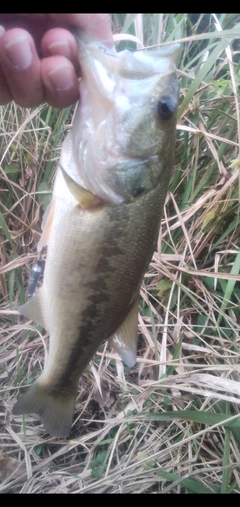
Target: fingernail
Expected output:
[64,48]
[62,77]
[19,52]
[2,30]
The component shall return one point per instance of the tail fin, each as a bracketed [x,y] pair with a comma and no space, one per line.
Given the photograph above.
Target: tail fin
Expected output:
[55,410]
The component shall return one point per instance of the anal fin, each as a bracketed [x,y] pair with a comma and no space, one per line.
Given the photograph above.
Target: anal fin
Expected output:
[32,309]
[124,340]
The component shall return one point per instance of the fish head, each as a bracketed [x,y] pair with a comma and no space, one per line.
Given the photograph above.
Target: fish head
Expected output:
[123,134]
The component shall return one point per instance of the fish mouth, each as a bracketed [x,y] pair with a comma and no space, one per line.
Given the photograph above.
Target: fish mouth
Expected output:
[102,67]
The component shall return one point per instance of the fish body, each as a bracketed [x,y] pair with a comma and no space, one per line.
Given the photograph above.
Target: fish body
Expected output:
[103,222]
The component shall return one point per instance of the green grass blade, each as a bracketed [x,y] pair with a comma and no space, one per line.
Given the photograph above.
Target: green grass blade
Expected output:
[205,68]
[208,418]
[230,286]
[192,485]
[6,233]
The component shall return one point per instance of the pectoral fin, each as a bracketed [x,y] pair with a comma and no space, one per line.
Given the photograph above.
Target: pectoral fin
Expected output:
[84,197]
[124,340]
[32,309]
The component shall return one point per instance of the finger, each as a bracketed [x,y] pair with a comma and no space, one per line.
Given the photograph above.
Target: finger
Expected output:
[59,41]
[96,25]
[21,68]
[61,87]
[5,94]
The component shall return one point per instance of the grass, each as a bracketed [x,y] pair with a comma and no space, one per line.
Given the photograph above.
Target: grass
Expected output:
[170,424]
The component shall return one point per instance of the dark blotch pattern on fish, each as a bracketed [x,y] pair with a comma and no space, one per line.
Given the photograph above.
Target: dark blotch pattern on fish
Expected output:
[108,293]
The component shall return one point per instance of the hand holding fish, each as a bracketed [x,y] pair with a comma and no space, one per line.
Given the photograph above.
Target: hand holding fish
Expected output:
[38,56]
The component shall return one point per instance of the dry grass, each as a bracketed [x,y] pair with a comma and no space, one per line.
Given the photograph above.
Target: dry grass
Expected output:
[171,424]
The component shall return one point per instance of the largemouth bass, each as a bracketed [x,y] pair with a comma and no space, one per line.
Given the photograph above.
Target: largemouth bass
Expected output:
[103,221]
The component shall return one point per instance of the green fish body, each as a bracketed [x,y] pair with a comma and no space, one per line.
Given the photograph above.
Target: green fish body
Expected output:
[103,222]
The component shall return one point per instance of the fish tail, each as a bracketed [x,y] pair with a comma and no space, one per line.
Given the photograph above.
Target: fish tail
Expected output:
[55,410]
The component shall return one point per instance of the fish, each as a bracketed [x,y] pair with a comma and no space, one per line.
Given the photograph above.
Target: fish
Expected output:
[102,224]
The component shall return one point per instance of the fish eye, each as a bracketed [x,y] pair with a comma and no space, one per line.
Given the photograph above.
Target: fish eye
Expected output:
[165,108]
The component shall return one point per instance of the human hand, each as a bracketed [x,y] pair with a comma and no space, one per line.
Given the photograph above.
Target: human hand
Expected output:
[38,56]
